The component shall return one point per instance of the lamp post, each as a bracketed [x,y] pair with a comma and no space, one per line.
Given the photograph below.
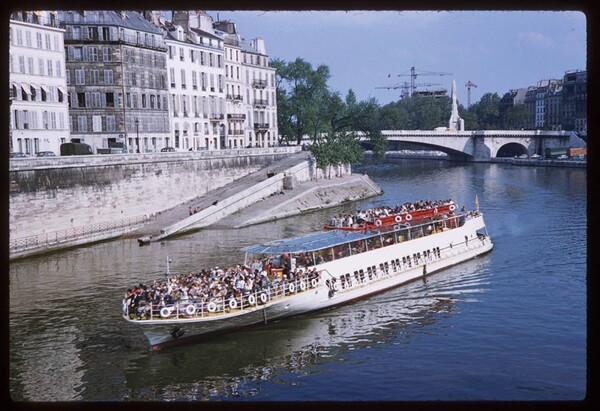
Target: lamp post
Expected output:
[137,133]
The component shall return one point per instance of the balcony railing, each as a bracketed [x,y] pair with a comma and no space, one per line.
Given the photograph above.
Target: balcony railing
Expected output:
[260,103]
[234,97]
[236,116]
[259,83]
[216,117]
[261,126]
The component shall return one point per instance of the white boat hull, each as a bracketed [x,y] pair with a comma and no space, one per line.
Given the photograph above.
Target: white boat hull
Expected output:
[455,246]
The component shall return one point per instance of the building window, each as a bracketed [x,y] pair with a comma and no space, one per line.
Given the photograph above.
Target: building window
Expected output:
[106,54]
[79,77]
[81,123]
[108,77]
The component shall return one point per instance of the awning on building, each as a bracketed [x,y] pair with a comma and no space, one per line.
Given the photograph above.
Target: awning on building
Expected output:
[26,88]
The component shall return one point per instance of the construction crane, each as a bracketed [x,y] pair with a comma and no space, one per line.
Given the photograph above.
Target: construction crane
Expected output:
[405,87]
[469,85]
[413,77]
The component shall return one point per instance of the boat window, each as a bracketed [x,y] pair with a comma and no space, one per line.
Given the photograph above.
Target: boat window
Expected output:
[358,246]
[303,259]
[409,261]
[386,267]
[374,242]
[416,232]
[343,280]
[401,236]
[389,239]
[341,251]
[361,273]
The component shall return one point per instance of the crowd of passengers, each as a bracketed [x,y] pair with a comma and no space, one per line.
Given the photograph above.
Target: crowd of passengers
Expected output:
[215,285]
[369,216]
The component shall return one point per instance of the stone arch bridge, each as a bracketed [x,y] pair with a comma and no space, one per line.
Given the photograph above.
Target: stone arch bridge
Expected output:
[483,145]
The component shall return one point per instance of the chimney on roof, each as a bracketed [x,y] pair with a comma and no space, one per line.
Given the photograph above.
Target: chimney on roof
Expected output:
[182,18]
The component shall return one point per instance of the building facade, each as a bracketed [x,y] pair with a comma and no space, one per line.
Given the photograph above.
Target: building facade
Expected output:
[117,80]
[237,126]
[196,71]
[260,100]
[574,101]
[39,112]
[556,104]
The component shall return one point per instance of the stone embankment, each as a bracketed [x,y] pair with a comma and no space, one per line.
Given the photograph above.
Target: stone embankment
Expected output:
[257,198]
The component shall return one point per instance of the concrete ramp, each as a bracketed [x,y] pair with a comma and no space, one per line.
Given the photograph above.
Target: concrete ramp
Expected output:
[308,194]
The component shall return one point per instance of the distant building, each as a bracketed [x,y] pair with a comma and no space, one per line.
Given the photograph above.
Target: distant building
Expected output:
[38,90]
[555,104]
[544,88]
[553,120]
[574,101]
[117,80]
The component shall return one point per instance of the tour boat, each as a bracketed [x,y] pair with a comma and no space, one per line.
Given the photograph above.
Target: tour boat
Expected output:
[333,267]
[409,217]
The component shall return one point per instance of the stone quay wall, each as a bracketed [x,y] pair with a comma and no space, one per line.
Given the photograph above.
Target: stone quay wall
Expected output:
[53,199]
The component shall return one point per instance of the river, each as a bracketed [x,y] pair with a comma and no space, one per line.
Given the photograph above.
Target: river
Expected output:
[510,325]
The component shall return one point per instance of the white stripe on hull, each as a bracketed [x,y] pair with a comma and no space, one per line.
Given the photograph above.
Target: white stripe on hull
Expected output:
[456,250]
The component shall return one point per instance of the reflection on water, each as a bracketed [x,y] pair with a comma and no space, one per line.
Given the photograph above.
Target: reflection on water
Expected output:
[234,365]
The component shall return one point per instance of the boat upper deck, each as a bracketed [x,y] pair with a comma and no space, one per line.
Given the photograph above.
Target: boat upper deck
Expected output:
[329,238]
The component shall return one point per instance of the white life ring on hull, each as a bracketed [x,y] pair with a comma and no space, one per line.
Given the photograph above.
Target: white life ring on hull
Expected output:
[313,283]
[452,207]
[398,219]
[291,287]
[378,223]
[212,307]
[232,304]
[408,217]
[165,312]
[302,285]
[190,309]
[251,299]
[263,298]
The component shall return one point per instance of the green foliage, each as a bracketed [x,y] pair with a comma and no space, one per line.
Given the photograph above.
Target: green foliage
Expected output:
[516,117]
[488,111]
[306,107]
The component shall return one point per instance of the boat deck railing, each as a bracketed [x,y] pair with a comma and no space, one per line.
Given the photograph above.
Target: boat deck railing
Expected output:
[196,308]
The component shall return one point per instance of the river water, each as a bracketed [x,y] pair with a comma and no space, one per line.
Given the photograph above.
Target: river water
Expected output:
[510,325]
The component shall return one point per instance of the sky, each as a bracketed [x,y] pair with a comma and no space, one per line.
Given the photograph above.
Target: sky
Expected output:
[496,50]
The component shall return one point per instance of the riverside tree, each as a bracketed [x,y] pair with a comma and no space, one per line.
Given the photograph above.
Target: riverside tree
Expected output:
[306,107]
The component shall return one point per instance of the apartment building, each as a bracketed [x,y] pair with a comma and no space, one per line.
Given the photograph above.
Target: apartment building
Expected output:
[196,72]
[39,116]
[574,101]
[117,80]
[237,125]
[260,100]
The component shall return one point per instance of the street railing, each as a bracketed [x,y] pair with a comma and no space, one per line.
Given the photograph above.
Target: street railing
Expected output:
[61,236]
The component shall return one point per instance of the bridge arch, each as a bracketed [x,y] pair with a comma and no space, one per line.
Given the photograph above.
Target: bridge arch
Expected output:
[511,150]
